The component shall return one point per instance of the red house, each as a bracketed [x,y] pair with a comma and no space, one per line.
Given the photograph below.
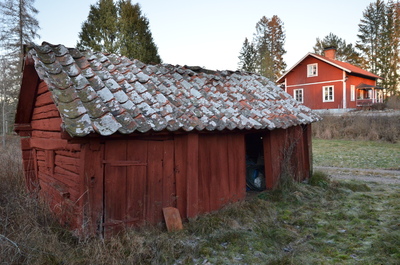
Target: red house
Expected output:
[109,142]
[324,83]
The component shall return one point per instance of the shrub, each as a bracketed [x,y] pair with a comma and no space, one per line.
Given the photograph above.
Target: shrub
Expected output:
[378,106]
[358,127]
[320,179]
[393,102]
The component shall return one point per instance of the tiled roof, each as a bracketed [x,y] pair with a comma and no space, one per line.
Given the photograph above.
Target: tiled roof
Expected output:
[105,93]
[347,67]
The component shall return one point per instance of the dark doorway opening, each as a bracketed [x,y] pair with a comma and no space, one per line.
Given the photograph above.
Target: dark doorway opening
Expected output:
[255,170]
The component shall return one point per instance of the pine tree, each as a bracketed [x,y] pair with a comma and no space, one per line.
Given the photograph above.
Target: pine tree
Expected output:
[269,40]
[119,28]
[378,42]
[19,27]
[344,52]
[247,57]
[100,30]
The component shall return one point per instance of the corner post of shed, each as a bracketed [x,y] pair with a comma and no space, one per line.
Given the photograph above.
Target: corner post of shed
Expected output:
[92,174]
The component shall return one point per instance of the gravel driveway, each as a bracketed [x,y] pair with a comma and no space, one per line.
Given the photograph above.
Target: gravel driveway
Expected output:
[370,175]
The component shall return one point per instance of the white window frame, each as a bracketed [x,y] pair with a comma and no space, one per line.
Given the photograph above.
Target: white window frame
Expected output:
[325,90]
[312,70]
[352,93]
[298,92]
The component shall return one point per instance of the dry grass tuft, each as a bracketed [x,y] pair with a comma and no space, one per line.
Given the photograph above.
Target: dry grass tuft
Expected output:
[358,127]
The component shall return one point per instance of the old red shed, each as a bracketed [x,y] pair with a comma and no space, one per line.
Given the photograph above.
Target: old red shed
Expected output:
[324,83]
[109,141]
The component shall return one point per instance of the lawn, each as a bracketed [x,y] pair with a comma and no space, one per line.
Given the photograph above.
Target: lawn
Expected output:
[356,154]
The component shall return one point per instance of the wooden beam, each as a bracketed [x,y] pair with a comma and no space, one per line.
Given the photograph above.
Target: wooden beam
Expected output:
[192,173]
[53,144]
[29,85]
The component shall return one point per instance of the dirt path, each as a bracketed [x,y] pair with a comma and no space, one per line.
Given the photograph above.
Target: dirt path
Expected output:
[371,175]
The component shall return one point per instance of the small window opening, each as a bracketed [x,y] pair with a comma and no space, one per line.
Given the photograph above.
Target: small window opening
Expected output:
[255,170]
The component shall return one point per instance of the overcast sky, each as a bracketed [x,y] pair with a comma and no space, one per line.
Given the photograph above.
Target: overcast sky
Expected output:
[210,33]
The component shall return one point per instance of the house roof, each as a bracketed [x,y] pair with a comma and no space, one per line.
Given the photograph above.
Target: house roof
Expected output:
[105,93]
[347,67]
[368,87]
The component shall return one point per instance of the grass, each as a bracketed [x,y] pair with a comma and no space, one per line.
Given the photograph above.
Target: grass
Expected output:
[322,222]
[365,126]
[356,154]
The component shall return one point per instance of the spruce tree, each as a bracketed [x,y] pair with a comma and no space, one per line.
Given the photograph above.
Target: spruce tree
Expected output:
[100,30]
[378,41]
[247,57]
[344,52]
[370,30]
[119,28]
[137,41]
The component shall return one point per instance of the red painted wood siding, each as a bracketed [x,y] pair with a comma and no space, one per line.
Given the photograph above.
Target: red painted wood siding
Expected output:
[328,75]
[138,182]
[222,170]
[195,173]
[52,165]
[287,152]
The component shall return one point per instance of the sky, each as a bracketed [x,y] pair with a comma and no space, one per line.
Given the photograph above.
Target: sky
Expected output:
[210,33]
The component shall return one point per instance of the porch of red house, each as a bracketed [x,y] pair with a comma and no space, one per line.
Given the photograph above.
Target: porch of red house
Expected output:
[366,102]
[367,95]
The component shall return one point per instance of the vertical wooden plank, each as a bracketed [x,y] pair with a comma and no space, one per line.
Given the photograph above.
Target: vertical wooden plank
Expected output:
[307,151]
[273,154]
[31,176]
[169,191]
[268,168]
[301,159]
[50,161]
[216,190]
[222,173]
[204,174]
[154,182]
[237,166]
[180,147]
[136,181]
[192,174]
[115,184]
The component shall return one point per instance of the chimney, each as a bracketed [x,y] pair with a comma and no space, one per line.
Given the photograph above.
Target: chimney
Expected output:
[330,53]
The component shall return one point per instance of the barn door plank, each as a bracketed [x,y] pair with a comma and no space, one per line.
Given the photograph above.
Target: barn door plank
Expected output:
[169,192]
[115,185]
[154,182]
[136,180]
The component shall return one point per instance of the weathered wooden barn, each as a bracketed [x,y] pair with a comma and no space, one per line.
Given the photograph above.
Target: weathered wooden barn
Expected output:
[109,142]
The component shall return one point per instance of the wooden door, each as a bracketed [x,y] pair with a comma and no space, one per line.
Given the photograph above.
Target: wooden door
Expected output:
[139,182]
